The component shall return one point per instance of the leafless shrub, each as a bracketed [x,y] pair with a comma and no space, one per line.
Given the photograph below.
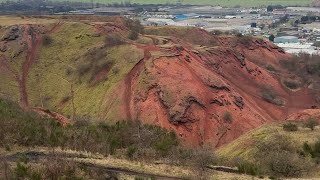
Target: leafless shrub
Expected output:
[290,127]
[268,94]
[279,158]
[46,40]
[113,40]
[311,123]
[227,117]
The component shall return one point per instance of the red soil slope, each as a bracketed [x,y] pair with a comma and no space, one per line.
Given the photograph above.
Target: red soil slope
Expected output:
[189,90]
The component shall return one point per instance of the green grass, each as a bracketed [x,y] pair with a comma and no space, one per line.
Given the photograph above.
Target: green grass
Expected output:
[245,146]
[49,81]
[224,3]
[249,3]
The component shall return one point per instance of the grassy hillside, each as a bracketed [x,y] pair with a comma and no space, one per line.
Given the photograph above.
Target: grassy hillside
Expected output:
[272,141]
[244,146]
[225,3]
[76,56]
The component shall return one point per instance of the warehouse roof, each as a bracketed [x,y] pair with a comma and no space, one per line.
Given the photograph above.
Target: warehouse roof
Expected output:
[287,37]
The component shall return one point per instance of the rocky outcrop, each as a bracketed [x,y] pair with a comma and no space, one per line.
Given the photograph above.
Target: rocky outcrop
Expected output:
[12,34]
[238,101]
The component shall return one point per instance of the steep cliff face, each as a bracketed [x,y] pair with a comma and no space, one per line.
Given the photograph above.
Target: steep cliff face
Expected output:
[208,89]
[210,94]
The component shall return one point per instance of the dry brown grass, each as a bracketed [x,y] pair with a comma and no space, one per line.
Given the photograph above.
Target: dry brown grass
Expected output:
[112,162]
[245,144]
[13,20]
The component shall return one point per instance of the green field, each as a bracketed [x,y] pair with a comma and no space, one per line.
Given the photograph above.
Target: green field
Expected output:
[224,3]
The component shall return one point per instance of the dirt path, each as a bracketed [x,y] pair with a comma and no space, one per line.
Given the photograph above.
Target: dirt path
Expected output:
[38,156]
[134,73]
[33,40]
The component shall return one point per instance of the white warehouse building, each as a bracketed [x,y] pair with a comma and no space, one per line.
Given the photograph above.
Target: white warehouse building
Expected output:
[286,39]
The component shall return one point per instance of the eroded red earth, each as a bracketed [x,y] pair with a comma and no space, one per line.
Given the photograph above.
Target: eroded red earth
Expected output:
[189,88]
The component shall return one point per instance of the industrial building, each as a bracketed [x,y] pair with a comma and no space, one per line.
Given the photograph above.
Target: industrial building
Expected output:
[286,39]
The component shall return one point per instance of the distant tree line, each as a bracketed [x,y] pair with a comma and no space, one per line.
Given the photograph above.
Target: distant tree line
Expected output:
[39,7]
[270,8]
[49,7]
[309,19]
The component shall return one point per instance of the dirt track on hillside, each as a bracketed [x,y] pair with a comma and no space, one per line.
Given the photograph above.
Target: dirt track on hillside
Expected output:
[131,76]
[33,40]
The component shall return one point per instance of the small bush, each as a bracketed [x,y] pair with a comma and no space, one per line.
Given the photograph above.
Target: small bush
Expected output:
[139,178]
[239,35]
[115,70]
[83,69]
[227,117]
[21,171]
[134,25]
[131,151]
[135,28]
[313,150]
[245,40]
[24,171]
[46,40]
[164,145]
[269,67]
[248,168]
[216,32]
[290,127]
[133,35]
[311,123]
[268,94]
[289,64]
[113,40]
[291,84]
[307,149]
[271,38]
[313,68]
[107,65]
